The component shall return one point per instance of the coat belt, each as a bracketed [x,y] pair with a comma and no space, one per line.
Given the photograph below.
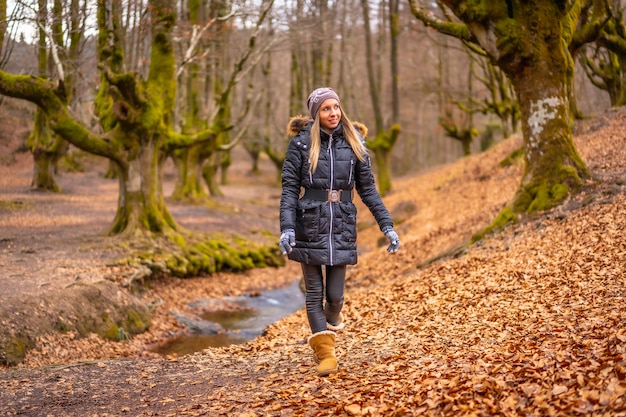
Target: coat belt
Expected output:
[333,196]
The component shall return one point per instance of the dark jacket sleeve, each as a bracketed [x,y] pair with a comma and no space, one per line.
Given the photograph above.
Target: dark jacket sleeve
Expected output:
[366,188]
[291,180]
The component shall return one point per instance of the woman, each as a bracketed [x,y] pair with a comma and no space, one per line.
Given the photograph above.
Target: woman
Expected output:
[326,159]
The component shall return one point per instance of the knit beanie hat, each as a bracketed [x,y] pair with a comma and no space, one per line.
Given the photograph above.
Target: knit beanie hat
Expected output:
[317,97]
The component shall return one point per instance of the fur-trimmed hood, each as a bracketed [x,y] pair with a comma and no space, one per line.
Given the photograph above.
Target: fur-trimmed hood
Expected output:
[298,123]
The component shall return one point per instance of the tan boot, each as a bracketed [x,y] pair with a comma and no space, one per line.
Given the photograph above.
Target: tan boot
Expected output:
[323,344]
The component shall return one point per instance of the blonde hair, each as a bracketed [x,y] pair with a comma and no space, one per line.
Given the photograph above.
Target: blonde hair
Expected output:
[349,132]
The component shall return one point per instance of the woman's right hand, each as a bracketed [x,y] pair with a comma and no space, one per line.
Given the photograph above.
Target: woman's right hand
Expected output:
[287,241]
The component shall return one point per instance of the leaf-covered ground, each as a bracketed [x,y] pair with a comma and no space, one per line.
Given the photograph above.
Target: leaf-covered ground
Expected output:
[530,321]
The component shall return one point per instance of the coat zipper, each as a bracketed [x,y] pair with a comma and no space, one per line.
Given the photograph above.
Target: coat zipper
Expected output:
[351,169]
[330,205]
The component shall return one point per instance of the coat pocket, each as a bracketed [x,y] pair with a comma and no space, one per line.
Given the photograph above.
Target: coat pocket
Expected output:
[307,221]
[348,221]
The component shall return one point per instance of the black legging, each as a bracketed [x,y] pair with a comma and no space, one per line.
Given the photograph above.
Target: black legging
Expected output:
[317,314]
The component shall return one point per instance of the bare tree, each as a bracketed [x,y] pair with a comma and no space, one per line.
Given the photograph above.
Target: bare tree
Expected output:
[496,97]
[605,60]
[457,119]
[211,99]
[55,62]
[192,114]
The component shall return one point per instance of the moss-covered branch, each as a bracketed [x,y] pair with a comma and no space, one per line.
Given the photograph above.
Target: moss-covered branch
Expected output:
[184,140]
[44,93]
[457,30]
[584,25]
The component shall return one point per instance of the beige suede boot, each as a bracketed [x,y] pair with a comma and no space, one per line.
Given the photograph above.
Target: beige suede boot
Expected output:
[323,344]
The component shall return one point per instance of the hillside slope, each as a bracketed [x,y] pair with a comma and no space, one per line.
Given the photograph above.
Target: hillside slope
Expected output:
[530,321]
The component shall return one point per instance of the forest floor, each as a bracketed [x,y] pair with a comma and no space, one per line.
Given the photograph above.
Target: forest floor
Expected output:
[529,321]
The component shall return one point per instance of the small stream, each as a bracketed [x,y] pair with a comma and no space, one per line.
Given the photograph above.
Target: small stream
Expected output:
[232,320]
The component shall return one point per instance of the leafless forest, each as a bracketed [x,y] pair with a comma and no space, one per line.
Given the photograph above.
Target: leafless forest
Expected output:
[266,65]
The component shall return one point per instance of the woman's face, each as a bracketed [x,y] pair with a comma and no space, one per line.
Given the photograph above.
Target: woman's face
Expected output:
[330,115]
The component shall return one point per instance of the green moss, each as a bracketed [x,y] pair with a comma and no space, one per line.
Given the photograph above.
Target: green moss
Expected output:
[104,108]
[111,332]
[548,196]
[179,240]
[547,191]
[154,221]
[13,205]
[61,326]
[541,200]
[190,254]
[70,163]
[514,157]
[523,199]
[559,192]
[136,321]
[107,329]
[14,351]
[177,265]
[509,37]
[505,217]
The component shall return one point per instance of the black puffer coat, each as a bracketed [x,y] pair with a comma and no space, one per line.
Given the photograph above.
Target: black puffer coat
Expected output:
[325,231]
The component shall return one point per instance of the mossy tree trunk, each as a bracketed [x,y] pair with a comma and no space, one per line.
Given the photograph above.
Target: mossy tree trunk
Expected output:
[43,143]
[527,40]
[137,115]
[457,118]
[384,141]
[141,205]
[553,167]
[201,167]
[189,161]
[226,161]
[210,171]
[541,71]
[189,180]
[254,149]
[381,146]
[46,146]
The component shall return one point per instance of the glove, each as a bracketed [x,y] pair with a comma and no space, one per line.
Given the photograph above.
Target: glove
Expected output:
[287,241]
[394,240]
